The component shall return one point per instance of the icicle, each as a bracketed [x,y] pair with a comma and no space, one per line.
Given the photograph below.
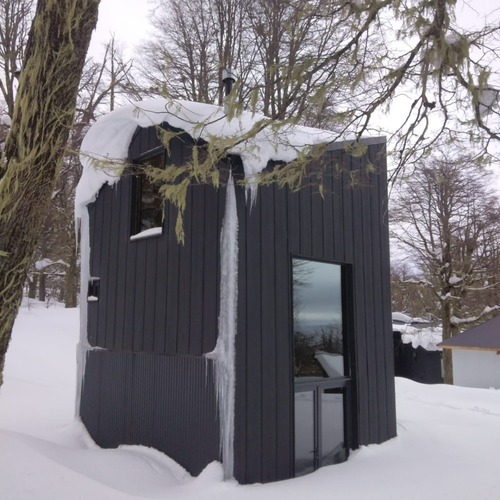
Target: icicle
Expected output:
[83,345]
[251,193]
[224,353]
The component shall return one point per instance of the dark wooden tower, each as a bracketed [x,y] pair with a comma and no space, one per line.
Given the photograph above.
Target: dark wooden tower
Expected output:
[314,353]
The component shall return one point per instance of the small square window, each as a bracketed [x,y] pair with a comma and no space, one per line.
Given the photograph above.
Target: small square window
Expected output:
[148,210]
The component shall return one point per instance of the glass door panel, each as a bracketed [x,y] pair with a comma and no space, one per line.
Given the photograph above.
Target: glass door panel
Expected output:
[304,432]
[321,376]
[332,427]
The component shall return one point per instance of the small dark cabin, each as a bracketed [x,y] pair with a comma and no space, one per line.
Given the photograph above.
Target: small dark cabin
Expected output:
[314,365]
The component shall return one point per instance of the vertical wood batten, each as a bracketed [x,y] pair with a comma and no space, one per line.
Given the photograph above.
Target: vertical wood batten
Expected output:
[282,329]
[109,323]
[124,196]
[305,220]
[183,291]
[318,209]
[196,279]
[210,259]
[331,238]
[354,255]
[268,334]
[92,307]
[172,284]
[241,413]
[253,333]
[160,297]
[131,289]
[149,294]
[384,279]
[98,270]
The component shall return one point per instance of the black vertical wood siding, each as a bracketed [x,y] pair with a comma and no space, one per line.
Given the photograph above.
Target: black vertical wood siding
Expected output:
[347,225]
[155,318]
[166,402]
[158,308]
[156,295]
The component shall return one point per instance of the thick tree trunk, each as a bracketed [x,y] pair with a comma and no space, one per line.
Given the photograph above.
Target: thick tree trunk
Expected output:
[43,114]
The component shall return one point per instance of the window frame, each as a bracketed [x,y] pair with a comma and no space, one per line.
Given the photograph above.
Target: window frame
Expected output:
[138,179]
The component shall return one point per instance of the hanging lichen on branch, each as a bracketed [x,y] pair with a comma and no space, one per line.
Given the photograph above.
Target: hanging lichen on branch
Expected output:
[208,160]
[207,165]
[34,147]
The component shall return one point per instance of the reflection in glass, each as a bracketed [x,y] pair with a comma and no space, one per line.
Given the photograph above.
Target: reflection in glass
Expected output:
[304,432]
[317,319]
[332,423]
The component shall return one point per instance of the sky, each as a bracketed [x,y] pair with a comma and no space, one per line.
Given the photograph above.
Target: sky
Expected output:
[446,448]
[126,19]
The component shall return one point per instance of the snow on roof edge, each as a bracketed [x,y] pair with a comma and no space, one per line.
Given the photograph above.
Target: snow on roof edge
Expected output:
[104,149]
[485,336]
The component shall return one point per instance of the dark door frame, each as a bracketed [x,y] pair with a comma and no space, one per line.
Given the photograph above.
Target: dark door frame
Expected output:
[346,384]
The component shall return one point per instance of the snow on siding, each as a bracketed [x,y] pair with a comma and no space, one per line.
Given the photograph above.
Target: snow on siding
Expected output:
[83,345]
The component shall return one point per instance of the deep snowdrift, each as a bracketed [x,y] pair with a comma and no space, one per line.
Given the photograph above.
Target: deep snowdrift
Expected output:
[447,445]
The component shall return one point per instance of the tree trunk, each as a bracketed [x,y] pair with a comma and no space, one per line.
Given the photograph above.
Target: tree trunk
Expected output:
[71,279]
[42,288]
[447,333]
[447,367]
[34,149]
[32,286]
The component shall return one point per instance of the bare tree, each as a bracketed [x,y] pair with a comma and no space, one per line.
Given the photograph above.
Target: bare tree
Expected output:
[410,292]
[337,65]
[15,21]
[448,219]
[34,149]
[182,56]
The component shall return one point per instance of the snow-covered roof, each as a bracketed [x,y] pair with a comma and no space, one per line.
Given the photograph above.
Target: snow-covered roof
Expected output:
[428,338]
[109,138]
[485,336]
[400,317]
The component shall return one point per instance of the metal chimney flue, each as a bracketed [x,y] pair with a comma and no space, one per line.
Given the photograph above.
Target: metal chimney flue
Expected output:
[228,80]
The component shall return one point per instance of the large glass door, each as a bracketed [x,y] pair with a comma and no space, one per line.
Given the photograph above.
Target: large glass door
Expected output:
[321,371]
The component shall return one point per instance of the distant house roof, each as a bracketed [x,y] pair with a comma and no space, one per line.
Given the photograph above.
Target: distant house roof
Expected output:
[485,336]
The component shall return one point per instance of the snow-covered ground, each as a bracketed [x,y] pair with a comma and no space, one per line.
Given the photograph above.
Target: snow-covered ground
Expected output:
[447,446]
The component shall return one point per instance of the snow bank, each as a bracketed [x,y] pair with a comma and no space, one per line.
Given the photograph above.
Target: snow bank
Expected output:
[46,455]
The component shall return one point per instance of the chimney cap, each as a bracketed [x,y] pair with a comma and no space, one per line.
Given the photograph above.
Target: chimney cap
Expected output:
[228,75]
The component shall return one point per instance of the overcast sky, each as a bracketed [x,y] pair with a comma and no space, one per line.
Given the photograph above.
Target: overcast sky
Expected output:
[126,19]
